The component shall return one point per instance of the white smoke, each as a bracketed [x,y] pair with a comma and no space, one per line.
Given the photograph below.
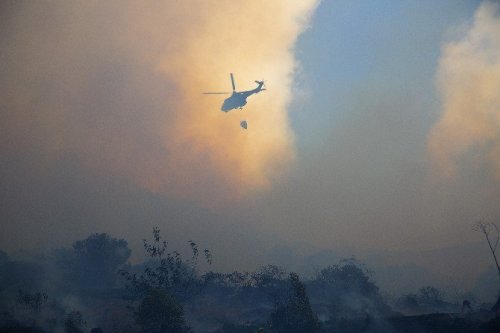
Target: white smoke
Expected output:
[467,135]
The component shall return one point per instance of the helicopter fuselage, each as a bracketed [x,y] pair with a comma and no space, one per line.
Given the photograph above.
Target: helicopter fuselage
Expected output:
[239,99]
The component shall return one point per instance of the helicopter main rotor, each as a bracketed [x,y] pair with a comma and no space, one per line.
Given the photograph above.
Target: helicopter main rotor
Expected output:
[225,92]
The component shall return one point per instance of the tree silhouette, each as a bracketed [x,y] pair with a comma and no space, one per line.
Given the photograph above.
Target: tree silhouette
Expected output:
[160,313]
[430,296]
[348,290]
[166,280]
[74,323]
[93,263]
[490,230]
[294,314]
[167,270]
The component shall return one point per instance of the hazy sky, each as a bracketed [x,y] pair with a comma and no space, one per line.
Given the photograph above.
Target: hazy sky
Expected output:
[378,135]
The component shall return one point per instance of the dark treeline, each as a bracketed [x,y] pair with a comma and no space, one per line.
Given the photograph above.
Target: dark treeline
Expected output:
[91,287]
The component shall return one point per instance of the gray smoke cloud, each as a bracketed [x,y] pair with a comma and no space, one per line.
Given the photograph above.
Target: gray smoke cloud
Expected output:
[104,129]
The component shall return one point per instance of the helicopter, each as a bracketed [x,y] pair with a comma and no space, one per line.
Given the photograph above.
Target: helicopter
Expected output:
[238,99]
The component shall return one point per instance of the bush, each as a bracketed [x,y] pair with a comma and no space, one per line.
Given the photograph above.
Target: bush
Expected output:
[295,315]
[160,312]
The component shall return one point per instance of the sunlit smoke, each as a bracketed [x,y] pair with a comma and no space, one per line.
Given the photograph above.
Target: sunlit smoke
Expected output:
[468,131]
[255,41]
[119,86]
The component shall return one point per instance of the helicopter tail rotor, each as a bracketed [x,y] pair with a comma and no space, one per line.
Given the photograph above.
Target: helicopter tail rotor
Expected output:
[261,83]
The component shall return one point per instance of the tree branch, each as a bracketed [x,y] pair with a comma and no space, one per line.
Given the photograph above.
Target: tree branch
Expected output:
[486,229]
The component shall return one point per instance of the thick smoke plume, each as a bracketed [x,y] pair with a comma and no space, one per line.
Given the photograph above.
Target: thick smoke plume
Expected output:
[117,86]
[467,135]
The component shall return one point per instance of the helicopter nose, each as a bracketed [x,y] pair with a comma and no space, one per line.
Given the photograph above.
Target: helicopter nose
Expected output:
[225,106]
